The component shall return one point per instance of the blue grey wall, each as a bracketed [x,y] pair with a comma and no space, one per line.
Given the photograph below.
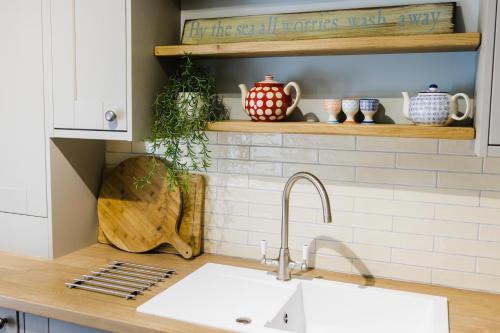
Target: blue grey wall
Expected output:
[384,75]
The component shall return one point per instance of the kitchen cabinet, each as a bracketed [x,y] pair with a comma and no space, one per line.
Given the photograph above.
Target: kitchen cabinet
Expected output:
[22,171]
[36,324]
[495,97]
[104,72]
[8,321]
[48,187]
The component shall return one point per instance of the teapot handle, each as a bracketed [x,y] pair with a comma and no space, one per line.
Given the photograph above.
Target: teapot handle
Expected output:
[467,108]
[297,98]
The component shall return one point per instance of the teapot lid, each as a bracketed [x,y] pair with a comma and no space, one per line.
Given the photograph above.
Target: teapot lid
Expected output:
[268,81]
[433,89]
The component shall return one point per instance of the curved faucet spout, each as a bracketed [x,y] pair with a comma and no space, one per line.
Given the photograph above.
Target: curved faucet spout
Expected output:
[327,214]
[284,271]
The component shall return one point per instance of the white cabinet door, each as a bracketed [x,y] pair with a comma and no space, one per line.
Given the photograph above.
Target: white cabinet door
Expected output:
[22,132]
[11,326]
[89,63]
[495,92]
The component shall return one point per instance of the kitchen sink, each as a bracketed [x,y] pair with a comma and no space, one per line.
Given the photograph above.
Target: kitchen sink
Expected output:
[248,300]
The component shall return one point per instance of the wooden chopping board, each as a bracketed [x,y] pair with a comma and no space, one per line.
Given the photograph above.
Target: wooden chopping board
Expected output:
[139,220]
[191,225]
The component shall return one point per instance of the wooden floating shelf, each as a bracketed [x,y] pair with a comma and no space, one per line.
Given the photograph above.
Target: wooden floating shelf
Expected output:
[388,130]
[331,46]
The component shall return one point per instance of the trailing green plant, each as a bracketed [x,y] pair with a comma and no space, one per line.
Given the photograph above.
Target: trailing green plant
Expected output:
[181,113]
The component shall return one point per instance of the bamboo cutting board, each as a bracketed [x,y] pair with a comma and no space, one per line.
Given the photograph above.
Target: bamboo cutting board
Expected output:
[191,225]
[139,220]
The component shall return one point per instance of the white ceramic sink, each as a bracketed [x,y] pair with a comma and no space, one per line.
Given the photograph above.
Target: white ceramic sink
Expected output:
[223,296]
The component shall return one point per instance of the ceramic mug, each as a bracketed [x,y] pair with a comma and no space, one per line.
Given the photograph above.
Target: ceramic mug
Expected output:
[333,108]
[350,107]
[368,106]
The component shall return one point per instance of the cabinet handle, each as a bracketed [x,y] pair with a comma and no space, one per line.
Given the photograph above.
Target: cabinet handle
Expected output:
[3,321]
[110,115]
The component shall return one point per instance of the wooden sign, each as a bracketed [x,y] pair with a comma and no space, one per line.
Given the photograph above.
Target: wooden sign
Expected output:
[383,21]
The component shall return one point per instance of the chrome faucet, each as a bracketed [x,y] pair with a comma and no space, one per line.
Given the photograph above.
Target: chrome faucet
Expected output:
[284,263]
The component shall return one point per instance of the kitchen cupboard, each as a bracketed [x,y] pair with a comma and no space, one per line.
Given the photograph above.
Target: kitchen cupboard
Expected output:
[22,171]
[48,187]
[8,321]
[495,96]
[104,73]
[35,324]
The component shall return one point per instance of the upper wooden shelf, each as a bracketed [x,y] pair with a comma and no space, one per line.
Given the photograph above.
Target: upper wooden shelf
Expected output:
[331,46]
[389,130]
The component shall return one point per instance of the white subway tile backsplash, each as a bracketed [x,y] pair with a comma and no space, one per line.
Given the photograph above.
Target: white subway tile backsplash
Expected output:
[468,247]
[393,239]
[468,214]
[243,223]
[489,233]
[319,141]
[488,266]
[490,199]
[250,196]
[353,251]
[284,154]
[394,208]
[341,264]
[232,249]
[321,230]
[466,280]
[434,260]
[229,152]
[326,172]
[267,139]
[414,209]
[226,235]
[274,240]
[439,162]
[435,227]
[357,158]
[469,181]
[226,207]
[362,220]
[226,180]
[369,143]
[392,271]
[396,176]
[250,167]
[456,147]
[232,138]
[437,195]
[492,165]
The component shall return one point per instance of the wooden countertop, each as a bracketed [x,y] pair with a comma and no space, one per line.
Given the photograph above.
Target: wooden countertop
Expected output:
[37,287]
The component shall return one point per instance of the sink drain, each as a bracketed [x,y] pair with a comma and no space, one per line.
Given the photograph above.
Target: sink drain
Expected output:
[243,320]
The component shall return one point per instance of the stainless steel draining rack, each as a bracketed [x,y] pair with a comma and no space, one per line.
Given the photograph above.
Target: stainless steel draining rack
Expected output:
[122,279]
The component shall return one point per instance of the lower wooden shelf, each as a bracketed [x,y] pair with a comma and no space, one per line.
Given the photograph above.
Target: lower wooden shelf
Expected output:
[387,130]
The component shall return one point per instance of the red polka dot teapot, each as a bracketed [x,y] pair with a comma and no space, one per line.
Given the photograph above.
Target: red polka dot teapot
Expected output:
[269,100]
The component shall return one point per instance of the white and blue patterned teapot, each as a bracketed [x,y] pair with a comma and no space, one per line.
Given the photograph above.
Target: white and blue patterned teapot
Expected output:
[434,108]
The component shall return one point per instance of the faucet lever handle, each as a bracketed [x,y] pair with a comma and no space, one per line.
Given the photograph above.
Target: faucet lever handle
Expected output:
[305,255]
[263,248]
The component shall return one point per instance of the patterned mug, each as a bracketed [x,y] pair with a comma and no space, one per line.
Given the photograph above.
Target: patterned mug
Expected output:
[368,106]
[333,108]
[350,107]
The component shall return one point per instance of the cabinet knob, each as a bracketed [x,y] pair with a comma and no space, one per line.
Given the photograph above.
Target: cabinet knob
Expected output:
[3,321]
[110,115]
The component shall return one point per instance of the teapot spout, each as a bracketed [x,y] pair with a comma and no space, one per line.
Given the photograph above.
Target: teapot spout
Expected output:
[406,105]
[244,91]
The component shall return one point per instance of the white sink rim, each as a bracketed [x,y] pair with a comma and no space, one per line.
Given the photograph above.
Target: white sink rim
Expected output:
[261,284]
